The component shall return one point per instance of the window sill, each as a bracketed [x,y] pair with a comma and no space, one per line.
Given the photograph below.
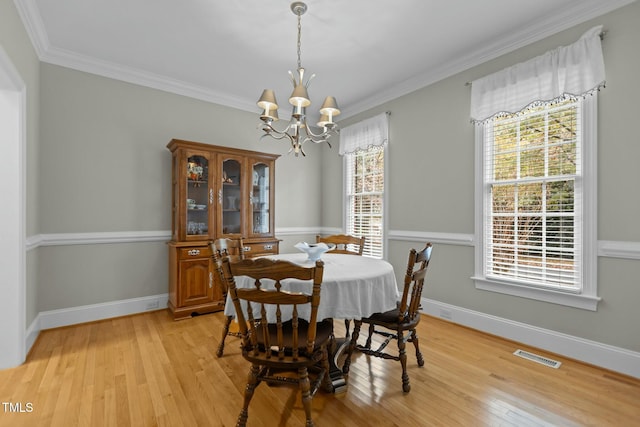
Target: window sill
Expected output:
[582,301]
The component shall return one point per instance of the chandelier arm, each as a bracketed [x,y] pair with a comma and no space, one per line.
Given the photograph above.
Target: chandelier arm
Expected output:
[268,127]
[276,136]
[324,135]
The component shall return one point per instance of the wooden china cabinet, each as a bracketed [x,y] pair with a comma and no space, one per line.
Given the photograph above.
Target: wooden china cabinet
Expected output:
[216,192]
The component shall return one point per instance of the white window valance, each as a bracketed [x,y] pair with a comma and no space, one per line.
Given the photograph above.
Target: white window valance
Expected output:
[371,132]
[572,70]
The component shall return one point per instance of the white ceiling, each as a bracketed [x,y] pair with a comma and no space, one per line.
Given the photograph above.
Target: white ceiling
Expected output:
[364,52]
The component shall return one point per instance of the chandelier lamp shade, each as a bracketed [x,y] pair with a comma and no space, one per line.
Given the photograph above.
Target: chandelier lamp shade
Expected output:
[297,131]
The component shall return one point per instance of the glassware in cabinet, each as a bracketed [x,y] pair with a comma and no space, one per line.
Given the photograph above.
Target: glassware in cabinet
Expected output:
[260,199]
[232,196]
[198,195]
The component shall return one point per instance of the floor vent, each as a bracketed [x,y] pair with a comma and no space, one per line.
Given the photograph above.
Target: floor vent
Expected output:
[538,359]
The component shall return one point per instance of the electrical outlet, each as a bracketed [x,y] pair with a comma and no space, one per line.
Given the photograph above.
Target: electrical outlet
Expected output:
[152,305]
[445,314]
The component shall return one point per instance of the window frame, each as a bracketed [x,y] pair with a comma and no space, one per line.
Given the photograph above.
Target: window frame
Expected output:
[345,193]
[587,298]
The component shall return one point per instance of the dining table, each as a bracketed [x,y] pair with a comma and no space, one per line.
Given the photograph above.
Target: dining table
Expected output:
[353,287]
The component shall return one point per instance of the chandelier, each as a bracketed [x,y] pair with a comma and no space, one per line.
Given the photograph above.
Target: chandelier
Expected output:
[297,131]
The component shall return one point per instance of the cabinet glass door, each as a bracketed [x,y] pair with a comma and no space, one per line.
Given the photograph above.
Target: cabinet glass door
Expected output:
[198,195]
[260,220]
[231,197]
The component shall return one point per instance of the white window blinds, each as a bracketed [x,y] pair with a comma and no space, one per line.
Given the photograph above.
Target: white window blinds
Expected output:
[364,182]
[532,176]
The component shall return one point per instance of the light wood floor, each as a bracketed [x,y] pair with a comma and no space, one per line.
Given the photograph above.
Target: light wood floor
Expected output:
[148,370]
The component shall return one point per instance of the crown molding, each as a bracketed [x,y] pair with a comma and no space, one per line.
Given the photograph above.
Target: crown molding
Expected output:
[564,19]
[32,21]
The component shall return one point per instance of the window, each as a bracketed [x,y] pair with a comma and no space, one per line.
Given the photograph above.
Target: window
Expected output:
[536,175]
[364,147]
[536,233]
[532,162]
[364,188]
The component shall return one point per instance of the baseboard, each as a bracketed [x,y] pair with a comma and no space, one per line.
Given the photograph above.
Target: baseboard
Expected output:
[603,355]
[90,313]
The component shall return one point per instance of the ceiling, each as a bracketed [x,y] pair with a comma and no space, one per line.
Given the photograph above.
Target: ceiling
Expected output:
[364,52]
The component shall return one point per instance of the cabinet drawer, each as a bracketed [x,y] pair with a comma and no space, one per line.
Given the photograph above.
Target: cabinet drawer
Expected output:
[261,248]
[195,252]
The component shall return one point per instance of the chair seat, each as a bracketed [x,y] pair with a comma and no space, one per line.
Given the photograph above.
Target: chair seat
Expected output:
[390,319]
[324,331]
[390,316]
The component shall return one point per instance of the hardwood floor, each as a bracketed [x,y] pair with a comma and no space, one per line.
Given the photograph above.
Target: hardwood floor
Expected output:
[149,370]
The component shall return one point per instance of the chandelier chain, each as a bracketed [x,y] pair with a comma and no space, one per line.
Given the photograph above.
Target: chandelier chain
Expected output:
[299,37]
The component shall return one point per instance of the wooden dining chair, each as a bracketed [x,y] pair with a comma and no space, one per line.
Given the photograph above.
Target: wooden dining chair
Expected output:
[394,323]
[345,244]
[275,344]
[232,249]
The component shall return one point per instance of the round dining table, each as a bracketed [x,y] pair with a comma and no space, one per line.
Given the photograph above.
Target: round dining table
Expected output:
[353,286]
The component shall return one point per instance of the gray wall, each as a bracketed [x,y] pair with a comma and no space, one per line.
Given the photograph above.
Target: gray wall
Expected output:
[431,186]
[106,168]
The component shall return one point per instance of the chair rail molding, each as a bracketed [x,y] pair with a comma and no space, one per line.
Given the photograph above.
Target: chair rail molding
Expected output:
[66,239]
[460,239]
[619,249]
[606,248]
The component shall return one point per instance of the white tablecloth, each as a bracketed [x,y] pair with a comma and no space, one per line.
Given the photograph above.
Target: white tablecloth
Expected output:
[352,287]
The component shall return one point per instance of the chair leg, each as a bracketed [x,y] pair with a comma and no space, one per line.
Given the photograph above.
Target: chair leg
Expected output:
[402,350]
[305,389]
[352,345]
[252,383]
[225,332]
[371,329]
[324,363]
[347,325]
[416,344]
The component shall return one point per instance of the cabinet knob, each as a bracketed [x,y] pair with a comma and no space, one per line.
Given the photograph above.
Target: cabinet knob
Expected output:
[194,252]
[268,247]
[247,249]
[211,196]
